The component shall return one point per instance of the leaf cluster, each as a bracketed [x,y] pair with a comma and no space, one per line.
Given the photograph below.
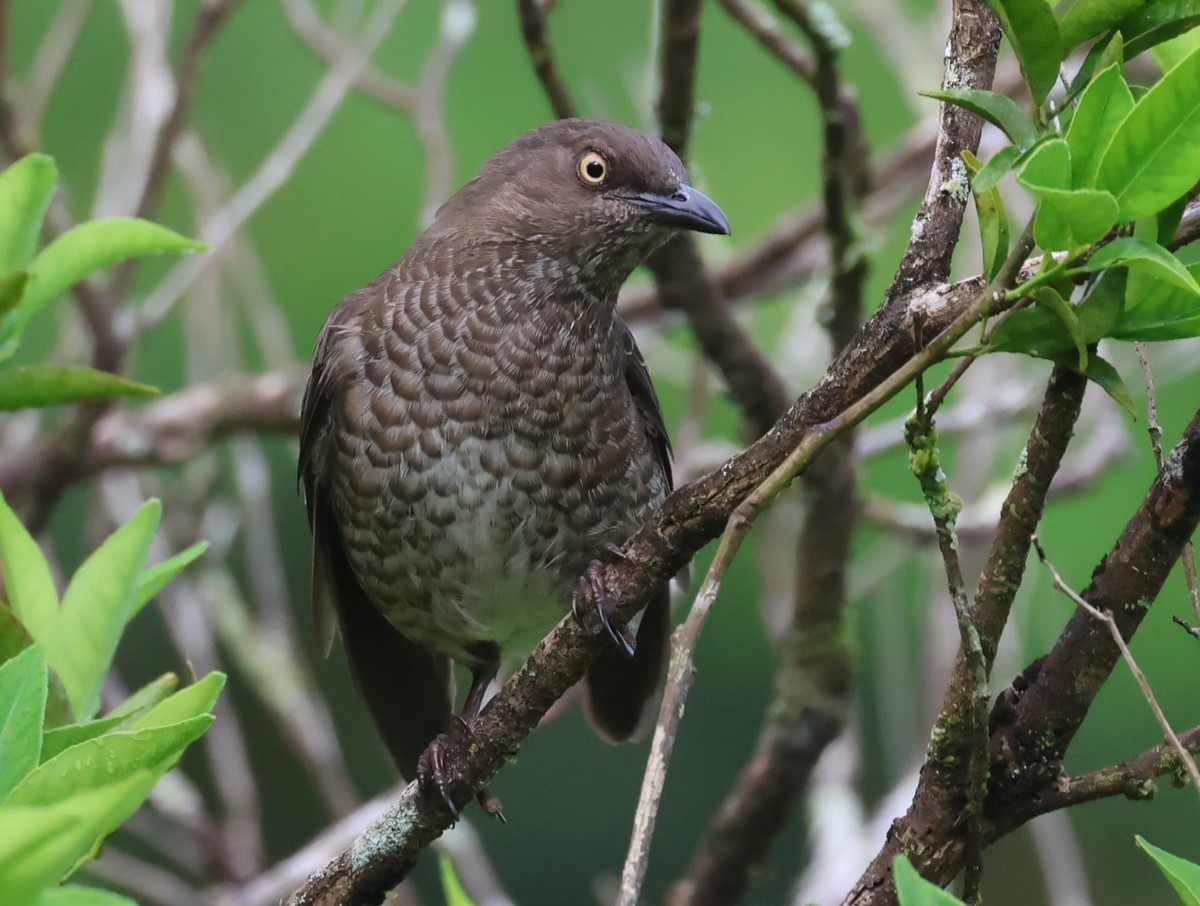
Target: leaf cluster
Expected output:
[69,777]
[30,281]
[1111,173]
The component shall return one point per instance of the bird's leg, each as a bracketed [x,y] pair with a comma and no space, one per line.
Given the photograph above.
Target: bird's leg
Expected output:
[594,577]
[431,766]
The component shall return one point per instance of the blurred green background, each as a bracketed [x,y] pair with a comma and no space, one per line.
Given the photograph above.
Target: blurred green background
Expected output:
[352,207]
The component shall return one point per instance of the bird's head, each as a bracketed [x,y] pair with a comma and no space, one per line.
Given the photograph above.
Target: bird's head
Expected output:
[598,196]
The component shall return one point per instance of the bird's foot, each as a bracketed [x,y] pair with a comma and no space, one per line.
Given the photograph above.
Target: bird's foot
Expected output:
[431,772]
[593,577]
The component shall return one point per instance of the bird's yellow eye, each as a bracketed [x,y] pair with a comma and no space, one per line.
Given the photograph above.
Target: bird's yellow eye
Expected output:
[593,168]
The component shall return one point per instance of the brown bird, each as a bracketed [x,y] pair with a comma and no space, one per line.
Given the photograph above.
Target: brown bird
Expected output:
[480,427]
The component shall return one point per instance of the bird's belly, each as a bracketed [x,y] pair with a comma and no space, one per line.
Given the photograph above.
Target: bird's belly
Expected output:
[462,547]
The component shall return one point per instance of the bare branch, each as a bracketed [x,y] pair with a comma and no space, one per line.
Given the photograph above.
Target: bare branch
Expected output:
[532,14]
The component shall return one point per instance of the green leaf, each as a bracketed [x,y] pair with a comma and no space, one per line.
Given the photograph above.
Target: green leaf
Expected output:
[97,604]
[1068,316]
[1103,105]
[12,288]
[1033,31]
[1157,22]
[31,591]
[1072,220]
[81,252]
[1154,156]
[993,219]
[1143,256]
[158,576]
[1088,18]
[1040,332]
[1155,310]
[22,709]
[1168,220]
[106,759]
[62,738]
[452,887]
[38,845]
[1171,53]
[1101,372]
[996,168]
[998,109]
[147,697]
[1108,51]
[1048,166]
[13,637]
[73,895]
[1183,875]
[913,890]
[38,386]
[25,192]
[195,700]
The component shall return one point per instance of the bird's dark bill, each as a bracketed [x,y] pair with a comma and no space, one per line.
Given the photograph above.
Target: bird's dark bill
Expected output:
[686,209]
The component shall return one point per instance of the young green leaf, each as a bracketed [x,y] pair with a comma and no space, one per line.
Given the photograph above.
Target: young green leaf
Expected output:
[1170,54]
[73,895]
[993,220]
[38,845]
[96,606]
[1183,875]
[1033,31]
[12,288]
[1088,18]
[37,386]
[13,637]
[998,109]
[1103,105]
[22,709]
[1038,331]
[1108,51]
[31,590]
[1100,371]
[1156,310]
[147,697]
[1072,220]
[1157,22]
[195,700]
[156,578]
[1049,299]
[61,738]
[913,890]
[1154,156]
[996,168]
[1048,166]
[25,192]
[108,758]
[1141,255]
[81,252]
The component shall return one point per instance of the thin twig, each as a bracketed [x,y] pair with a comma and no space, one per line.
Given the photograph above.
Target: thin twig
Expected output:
[1189,763]
[766,30]
[532,15]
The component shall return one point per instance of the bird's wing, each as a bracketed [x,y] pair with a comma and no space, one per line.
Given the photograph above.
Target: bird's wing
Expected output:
[315,417]
[406,686]
[618,687]
[637,376]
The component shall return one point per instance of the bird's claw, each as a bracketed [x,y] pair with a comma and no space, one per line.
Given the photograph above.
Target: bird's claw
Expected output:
[431,772]
[594,577]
